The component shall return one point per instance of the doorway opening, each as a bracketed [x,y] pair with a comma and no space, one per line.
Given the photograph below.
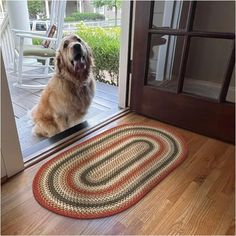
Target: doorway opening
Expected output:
[106,102]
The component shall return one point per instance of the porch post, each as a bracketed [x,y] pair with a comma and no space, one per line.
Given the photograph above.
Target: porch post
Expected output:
[1,6]
[80,6]
[19,16]
[47,9]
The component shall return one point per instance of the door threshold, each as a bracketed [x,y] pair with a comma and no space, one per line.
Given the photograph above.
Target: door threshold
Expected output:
[56,143]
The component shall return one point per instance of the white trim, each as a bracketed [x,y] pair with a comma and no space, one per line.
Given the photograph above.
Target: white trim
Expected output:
[10,146]
[123,62]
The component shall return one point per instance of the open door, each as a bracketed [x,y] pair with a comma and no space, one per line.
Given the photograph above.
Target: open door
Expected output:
[183,65]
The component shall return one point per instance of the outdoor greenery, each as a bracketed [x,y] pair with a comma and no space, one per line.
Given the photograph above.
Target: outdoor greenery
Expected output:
[105,44]
[35,7]
[77,16]
[109,4]
[37,41]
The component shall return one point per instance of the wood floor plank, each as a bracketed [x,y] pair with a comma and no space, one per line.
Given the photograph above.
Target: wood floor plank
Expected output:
[104,87]
[18,110]
[106,96]
[105,103]
[196,198]
[25,101]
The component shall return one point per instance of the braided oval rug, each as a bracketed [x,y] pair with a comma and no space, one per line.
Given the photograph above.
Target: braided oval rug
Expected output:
[109,172]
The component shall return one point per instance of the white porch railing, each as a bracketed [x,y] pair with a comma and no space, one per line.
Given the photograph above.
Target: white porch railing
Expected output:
[71,26]
[2,15]
[7,43]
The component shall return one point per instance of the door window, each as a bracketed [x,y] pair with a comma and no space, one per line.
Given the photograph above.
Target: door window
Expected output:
[170,14]
[207,63]
[164,62]
[191,47]
[216,16]
[231,92]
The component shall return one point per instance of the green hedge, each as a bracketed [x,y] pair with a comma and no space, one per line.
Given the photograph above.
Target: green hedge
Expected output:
[77,16]
[105,43]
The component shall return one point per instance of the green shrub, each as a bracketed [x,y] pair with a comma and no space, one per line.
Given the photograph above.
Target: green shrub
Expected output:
[105,44]
[69,19]
[37,41]
[77,16]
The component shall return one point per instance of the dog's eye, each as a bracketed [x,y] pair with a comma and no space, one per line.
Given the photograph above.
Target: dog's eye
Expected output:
[66,43]
[78,39]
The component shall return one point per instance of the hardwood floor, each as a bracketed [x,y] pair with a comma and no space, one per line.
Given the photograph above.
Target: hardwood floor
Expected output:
[104,104]
[196,198]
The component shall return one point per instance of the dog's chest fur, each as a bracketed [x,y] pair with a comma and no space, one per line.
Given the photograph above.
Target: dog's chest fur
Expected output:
[73,98]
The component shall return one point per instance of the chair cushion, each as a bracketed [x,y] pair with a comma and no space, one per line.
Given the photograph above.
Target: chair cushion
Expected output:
[38,50]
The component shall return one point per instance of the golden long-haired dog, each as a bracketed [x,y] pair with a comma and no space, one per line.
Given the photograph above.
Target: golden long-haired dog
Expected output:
[69,92]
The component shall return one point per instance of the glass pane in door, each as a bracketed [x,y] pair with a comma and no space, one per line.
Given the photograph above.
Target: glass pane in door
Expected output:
[164,61]
[217,16]
[231,92]
[170,14]
[206,66]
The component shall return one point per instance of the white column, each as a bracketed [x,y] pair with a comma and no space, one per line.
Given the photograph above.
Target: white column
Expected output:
[19,15]
[80,6]
[47,9]
[1,6]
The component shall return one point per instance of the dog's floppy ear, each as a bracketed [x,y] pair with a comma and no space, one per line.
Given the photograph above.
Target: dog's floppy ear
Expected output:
[59,61]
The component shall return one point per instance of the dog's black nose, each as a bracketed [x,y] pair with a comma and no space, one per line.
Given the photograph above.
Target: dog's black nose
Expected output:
[77,48]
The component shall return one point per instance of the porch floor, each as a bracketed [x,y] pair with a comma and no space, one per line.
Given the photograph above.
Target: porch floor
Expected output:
[105,103]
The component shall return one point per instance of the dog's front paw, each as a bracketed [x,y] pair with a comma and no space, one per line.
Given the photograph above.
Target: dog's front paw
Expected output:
[38,131]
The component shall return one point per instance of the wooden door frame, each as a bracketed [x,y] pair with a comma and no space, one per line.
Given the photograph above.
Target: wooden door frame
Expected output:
[220,114]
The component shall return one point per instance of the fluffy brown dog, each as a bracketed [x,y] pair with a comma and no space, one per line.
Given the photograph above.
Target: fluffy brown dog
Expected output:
[69,92]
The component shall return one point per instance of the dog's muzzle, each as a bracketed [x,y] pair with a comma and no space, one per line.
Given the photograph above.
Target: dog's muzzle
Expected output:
[78,62]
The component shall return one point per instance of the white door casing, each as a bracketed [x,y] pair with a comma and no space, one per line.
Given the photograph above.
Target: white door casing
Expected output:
[10,146]
[124,48]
